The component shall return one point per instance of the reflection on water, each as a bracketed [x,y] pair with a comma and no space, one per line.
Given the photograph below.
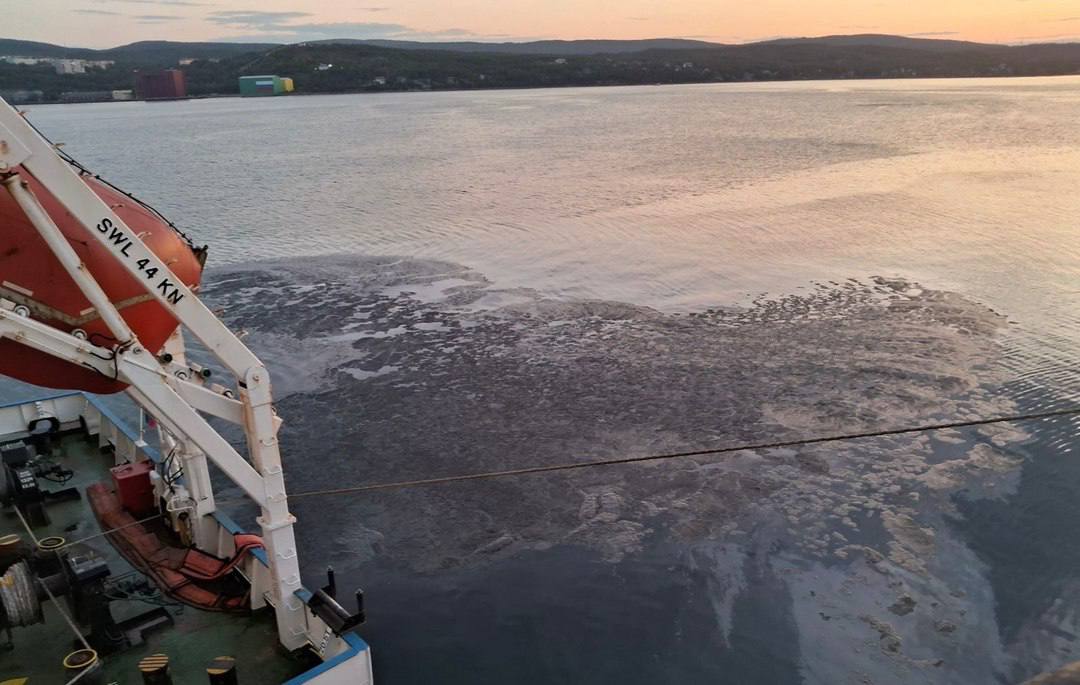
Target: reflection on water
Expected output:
[675,197]
[400,369]
[589,272]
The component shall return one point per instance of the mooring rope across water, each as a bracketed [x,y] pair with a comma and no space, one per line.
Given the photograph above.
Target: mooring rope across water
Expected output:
[617,461]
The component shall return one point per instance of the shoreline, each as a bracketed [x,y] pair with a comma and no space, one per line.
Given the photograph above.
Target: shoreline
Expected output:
[388,91]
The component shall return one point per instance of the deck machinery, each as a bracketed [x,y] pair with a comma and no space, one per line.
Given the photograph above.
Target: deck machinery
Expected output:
[79,232]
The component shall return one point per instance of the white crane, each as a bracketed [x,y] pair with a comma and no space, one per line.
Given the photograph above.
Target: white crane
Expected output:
[162,385]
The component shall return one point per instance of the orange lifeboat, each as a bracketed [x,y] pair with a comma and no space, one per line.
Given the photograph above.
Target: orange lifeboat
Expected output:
[30,275]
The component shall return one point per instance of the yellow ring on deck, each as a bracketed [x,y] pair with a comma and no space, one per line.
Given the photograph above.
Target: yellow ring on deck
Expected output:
[51,543]
[70,661]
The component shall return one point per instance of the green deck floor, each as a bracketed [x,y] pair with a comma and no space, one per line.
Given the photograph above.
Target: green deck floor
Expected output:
[195,638]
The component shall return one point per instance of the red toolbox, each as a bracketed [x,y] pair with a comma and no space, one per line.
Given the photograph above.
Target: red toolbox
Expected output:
[133,486]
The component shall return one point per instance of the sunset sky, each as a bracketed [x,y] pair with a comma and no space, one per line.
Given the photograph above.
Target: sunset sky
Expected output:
[105,23]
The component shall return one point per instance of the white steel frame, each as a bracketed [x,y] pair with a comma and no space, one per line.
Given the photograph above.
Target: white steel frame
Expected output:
[165,390]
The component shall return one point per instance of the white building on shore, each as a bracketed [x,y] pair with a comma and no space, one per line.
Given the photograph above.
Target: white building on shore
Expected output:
[62,66]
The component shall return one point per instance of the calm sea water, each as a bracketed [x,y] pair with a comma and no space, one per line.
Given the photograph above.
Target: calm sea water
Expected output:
[563,206]
[674,197]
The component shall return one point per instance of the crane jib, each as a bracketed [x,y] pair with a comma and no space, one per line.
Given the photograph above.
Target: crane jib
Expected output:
[120,243]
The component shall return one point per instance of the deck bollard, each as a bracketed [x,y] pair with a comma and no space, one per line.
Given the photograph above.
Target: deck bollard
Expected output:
[222,671]
[155,670]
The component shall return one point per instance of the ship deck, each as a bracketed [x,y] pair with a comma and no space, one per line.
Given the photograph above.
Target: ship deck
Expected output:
[191,642]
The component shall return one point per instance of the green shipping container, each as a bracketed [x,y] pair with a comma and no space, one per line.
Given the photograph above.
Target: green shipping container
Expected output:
[261,85]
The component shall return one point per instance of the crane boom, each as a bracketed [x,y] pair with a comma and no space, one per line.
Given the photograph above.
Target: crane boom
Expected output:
[166,388]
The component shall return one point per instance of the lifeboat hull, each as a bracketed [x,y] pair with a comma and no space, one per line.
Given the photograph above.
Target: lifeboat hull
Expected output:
[31,275]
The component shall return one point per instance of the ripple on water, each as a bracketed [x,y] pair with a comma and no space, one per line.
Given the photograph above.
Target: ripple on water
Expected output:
[836,531]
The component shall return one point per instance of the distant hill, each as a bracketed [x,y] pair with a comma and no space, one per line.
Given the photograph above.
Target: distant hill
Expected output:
[160,50]
[29,48]
[887,41]
[600,47]
[172,51]
[371,66]
[540,47]
[360,65]
[155,51]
